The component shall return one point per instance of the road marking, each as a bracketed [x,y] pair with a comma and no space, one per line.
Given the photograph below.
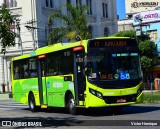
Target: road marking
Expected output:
[11,105]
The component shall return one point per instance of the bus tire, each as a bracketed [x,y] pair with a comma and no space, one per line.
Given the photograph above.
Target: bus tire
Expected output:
[71,105]
[31,103]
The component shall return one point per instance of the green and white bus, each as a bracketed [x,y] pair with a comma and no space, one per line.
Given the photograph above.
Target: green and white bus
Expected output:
[102,72]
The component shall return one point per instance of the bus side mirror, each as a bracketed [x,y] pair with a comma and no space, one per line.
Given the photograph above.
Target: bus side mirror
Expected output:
[87,72]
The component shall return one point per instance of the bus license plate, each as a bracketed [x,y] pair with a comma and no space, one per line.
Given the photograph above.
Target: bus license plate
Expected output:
[121,100]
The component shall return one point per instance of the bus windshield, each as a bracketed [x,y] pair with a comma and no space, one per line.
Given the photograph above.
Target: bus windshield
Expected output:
[113,66]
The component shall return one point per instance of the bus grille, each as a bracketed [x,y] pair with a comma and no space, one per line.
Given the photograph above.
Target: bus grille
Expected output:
[113,99]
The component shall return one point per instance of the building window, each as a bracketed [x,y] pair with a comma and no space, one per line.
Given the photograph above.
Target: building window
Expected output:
[11,3]
[106,31]
[68,1]
[49,3]
[78,3]
[105,10]
[89,5]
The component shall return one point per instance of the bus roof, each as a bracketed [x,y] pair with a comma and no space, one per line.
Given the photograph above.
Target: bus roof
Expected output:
[50,48]
[113,37]
[60,46]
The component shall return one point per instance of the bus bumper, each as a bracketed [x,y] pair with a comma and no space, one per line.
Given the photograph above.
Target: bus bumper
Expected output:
[101,102]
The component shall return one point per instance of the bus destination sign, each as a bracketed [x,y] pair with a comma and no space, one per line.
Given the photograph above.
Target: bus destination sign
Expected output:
[111,43]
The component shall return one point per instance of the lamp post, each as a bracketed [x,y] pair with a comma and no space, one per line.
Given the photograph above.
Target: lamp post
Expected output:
[18,35]
[139,32]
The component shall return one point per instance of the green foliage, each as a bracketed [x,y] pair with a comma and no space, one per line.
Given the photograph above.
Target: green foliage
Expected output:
[75,23]
[152,97]
[7,37]
[148,62]
[147,48]
[127,33]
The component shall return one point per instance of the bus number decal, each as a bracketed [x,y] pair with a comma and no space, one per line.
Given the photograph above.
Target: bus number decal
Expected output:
[71,86]
[48,84]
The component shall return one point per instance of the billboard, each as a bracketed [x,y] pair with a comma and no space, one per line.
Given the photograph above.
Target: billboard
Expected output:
[135,6]
[146,17]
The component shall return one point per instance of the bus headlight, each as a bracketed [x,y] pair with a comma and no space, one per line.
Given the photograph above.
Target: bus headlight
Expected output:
[96,93]
[139,91]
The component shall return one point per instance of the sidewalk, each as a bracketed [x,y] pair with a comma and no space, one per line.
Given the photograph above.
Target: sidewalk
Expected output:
[5,96]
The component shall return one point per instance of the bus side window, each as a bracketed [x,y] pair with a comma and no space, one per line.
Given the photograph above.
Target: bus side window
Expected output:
[32,67]
[16,73]
[33,73]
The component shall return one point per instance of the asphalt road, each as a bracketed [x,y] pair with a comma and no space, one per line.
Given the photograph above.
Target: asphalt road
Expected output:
[140,116]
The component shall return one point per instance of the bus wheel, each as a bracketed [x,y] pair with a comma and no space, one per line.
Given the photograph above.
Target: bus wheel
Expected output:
[31,102]
[71,105]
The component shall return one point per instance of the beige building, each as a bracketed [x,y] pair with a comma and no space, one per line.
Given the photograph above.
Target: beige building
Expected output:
[125,24]
[135,6]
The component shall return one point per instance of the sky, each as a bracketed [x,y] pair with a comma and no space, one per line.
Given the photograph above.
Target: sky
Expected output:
[121,9]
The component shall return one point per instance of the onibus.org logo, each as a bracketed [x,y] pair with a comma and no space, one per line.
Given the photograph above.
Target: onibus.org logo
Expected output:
[6,123]
[90,59]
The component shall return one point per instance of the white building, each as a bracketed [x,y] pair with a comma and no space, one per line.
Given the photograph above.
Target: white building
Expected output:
[125,24]
[101,17]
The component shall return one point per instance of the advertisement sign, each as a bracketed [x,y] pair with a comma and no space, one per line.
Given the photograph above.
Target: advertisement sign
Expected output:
[153,34]
[136,6]
[146,17]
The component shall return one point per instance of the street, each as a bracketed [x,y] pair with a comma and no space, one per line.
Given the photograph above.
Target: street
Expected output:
[132,117]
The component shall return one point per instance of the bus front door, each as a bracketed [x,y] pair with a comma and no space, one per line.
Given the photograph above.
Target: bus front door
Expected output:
[42,82]
[79,77]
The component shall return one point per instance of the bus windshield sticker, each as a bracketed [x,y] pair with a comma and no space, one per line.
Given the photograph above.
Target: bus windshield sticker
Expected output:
[127,76]
[93,75]
[124,76]
[116,76]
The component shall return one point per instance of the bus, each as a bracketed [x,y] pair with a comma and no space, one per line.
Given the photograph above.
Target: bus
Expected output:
[100,72]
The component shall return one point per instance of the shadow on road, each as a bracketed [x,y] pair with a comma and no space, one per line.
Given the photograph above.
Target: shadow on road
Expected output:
[22,122]
[134,109]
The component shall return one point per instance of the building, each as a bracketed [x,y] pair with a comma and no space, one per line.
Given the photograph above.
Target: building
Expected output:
[125,24]
[34,28]
[136,6]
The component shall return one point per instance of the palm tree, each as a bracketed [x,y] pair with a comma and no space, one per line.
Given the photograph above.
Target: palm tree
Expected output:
[75,23]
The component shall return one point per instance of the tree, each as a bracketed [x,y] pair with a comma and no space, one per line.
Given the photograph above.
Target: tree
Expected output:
[7,37]
[75,23]
[149,58]
[127,33]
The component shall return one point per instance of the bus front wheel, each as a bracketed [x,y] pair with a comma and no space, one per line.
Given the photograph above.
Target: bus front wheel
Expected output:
[31,102]
[71,105]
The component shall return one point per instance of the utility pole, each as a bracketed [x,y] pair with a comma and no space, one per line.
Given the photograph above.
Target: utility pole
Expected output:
[31,28]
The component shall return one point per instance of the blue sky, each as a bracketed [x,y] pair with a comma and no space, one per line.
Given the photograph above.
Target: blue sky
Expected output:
[121,9]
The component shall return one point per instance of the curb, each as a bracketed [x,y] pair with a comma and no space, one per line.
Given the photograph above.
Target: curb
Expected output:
[5,96]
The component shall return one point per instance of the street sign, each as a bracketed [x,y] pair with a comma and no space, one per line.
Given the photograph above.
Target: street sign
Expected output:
[138,33]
